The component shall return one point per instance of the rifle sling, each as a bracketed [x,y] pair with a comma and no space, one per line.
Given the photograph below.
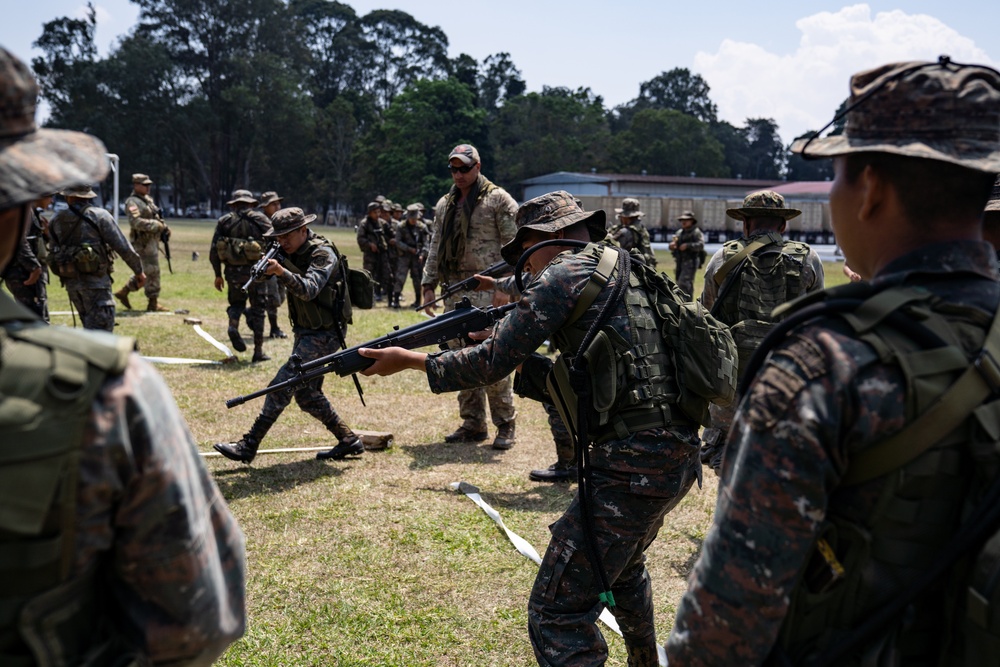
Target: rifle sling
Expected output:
[747,250]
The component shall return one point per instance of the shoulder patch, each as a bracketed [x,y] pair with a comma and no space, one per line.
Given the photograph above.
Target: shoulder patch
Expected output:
[133,208]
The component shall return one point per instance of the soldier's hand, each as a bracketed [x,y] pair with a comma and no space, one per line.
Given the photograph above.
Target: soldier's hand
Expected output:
[218,283]
[428,297]
[140,279]
[500,299]
[392,360]
[373,246]
[33,278]
[486,284]
[166,232]
[273,268]
[684,246]
[480,335]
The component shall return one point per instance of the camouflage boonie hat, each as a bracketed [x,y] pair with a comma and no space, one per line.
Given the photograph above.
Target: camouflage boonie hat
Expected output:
[765,203]
[466,153]
[550,213]
[397,207]
[387,205]
[380,198]
[288,220]
[939,111]
[141,179]
[33,161]
[419,205]
[372,205]
[413,211]
[629,209]
[242,197]
[80,191]
[270,197]
[687,215]
[994,203]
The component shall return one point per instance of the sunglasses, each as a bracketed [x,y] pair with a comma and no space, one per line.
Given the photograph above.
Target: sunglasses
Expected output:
[462,170]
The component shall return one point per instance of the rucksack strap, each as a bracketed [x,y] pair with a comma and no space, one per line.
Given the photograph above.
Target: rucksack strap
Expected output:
[747,250]
[598,279]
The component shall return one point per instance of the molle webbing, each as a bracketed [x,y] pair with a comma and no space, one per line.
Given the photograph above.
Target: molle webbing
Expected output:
[320,313]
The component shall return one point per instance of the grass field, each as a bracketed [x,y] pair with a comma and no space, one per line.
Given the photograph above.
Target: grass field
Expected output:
[375,561]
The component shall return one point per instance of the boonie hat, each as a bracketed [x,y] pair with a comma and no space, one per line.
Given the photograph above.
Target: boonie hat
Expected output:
[35,162]
[270,197]
[935,110]
[763,203]
[81,191]
[550,213]
[687,215]
[467,153]
[141,179]
[288,220]
[629,209]
[242,197]
[413,211]
[994,203]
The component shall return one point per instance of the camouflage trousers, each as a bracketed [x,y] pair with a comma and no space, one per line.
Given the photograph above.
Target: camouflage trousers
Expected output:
[376,263]
[94,305]
[628,509]
[33,297]
[715,436]
[236,277]
[309,397]
[565,452]
[151,267]
[687,267]
[409,265]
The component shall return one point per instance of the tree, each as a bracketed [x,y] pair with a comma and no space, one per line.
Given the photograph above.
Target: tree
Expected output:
[679,90]
[335,52]
[499,80]
[668,143]
[67,74]
[765,151]
[735,147]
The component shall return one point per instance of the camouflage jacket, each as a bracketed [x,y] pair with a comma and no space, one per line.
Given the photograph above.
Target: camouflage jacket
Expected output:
[695,240]
[411,239]
[370,231]
[491,226]
[321,265]
[812,271]
[245,224]
[634,236]
[27,258]
[822,395]
[67,229]
[146,222]
[389,228]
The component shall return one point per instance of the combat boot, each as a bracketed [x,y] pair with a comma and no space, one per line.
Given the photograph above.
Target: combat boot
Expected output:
[276,331]
[122,295]
[245,449]
[154,306]
[395,300]
[505,436]
[557,472]
[258,348]
[465,434]
[234,336]
[348,443]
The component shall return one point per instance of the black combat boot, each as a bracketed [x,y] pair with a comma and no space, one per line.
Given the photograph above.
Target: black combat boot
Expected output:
[276,331]
[234,336]
[465,434]
[505,436]
[245,449]
[258,348]
[348,443]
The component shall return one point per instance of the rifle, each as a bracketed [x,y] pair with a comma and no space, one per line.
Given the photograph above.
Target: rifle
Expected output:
[165,237]
[258,270]
[457,323]
[466,285]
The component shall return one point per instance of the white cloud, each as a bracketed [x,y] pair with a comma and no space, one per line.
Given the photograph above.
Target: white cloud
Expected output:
[802,89]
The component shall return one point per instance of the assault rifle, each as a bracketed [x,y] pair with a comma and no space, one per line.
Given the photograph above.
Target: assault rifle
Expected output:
[468,284]
[258,270]
[165,237]
[457,323]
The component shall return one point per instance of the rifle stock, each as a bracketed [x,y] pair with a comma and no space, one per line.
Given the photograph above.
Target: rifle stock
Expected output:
[468,284]
[258,269]
[457,323]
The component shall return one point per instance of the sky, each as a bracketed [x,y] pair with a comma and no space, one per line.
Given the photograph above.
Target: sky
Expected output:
[790,61]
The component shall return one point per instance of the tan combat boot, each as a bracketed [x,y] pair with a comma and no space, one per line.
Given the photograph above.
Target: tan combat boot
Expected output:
[154,306]
[122,295]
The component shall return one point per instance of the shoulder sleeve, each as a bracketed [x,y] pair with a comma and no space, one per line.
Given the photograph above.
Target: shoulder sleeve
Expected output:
[711,290]
[504,210]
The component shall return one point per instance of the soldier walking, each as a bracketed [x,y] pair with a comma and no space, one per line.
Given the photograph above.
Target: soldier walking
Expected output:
[688,247]
[147,230]
[270,202]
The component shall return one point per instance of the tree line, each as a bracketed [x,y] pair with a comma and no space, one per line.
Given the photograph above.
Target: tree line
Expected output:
[327,107]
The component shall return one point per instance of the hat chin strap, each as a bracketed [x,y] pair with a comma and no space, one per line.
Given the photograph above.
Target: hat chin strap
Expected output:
[519,267]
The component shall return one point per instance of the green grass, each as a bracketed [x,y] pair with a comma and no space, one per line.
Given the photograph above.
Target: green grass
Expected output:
[374,561]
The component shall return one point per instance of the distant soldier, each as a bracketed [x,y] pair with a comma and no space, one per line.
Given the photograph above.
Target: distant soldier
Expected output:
[270,202]
[412,236]
[991,218]
[147,229]
[373,245]
[747,279]
[83,241]
[688,247]
[389,224]
[630,233]
[238,243]
[27,274]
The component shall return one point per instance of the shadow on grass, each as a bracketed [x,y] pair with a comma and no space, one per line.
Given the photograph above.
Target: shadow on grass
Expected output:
[684,569]
[542,498]
[245,481]
[428,455]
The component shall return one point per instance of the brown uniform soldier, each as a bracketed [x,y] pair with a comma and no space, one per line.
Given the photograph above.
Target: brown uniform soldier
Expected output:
[147,228]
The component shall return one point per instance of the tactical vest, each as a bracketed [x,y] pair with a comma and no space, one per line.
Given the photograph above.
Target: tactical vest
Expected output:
[147,209]
[921,504]
[238,243]
[633,382]
[48,379]
[71,256]
[326,310]
[768,277]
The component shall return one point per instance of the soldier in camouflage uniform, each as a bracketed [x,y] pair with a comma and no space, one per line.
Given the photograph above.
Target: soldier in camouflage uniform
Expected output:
[630,233]
[27,275]
[83,240]
[373,245]
[991,218]
[411,244]
[391,256]
[644,457]
[270,202]
[818,525]
[238,242]
[310,271]
[471,223]
[147,228]
[116,546]
[791,269]
[688,247]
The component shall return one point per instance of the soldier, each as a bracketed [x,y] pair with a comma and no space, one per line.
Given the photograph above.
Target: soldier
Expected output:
[991,219]
[238,243]
[411,244]
[746,280]
[310,270]
[27,275]
[643,451]
[630,233]
[471,223]
[116,546]
[83,241]
[688,247]
[270,202]
[372,242]
[387,214]
[147,229]
[845,479]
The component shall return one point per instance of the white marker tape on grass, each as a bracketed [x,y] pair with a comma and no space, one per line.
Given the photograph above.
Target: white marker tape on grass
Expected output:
[179,361]
[523,546]
[207,336]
